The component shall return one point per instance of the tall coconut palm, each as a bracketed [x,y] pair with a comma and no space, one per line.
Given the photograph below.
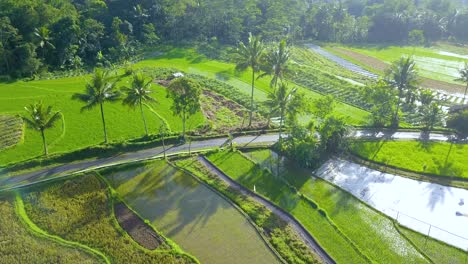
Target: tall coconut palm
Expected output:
[464,78]
[403,76]
[43,35]
[101,89]
[280,102]
[138,94]
[41,118]
[276,63]
[250,55]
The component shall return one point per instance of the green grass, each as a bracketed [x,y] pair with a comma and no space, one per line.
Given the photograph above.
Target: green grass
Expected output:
[81,210]
[249,175]
[20,244]
[437,158]
[80,129]
[190,213]
[280,234]
[432,62]
[438,251]
[373,231]
[191,62]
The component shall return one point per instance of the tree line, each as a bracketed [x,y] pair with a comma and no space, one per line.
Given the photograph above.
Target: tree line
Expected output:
[42,35]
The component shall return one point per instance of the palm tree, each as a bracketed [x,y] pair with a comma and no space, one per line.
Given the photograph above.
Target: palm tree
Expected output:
[280,102]
[250,55]
[41,118]
[101,89]
[43,34]
[139,93]
[464,78]
[276,62]
[402,75]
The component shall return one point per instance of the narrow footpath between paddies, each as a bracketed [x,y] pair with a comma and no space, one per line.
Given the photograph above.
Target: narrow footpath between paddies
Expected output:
[429,208]
[303,233]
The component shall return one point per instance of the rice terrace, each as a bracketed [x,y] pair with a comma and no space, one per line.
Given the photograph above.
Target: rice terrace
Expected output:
[220,131]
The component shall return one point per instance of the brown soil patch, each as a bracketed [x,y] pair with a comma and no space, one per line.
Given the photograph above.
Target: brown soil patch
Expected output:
[218,102]
[164,83]
[382,66]
[137,228]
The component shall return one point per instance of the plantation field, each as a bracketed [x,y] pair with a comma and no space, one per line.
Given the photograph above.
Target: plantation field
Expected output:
[12,129]
[79,129]
[374,234]
[360,222]
[191,214]
[19,244]
[189,61]
[437,158]
[248,174]
[434,63]
[80,210]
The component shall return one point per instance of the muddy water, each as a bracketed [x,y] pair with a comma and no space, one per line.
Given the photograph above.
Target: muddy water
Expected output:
[199,220]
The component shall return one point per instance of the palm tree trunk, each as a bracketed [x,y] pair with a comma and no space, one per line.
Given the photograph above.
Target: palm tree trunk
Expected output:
[103,123]
[281,127]
[183,124]
[252,97]
[144,119]
[46,152]
[395,117]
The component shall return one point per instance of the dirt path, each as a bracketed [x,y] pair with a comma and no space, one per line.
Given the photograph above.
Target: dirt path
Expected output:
[303,233]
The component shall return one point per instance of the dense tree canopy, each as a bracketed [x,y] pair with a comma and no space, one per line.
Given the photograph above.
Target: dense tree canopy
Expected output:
[41,35]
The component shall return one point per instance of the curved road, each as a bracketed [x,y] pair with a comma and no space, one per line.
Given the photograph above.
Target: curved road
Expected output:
[17,181]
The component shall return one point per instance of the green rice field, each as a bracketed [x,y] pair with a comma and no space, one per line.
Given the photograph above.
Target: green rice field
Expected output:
[198,219]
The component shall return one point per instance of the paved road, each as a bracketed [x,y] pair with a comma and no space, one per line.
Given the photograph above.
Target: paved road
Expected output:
[46,174]
[303,233]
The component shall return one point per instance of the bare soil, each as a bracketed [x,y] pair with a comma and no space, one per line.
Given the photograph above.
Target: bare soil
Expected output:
[382,66]
[219,101]
[137,228]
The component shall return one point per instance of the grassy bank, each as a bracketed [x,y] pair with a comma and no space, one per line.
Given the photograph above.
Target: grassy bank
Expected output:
[436,158]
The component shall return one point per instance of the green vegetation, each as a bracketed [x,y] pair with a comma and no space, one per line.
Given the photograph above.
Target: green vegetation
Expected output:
[189,213]
[273,188]
[359,221]
[185,94]
[439,252]
[280,235]
[81,210]
[21,244]
[432,63]
[365,230]
[80,130]
[41,118]
[138,94]
[437,158]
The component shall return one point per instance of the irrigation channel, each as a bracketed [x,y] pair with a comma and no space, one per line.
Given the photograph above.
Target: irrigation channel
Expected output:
[441,95]
[199,220]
